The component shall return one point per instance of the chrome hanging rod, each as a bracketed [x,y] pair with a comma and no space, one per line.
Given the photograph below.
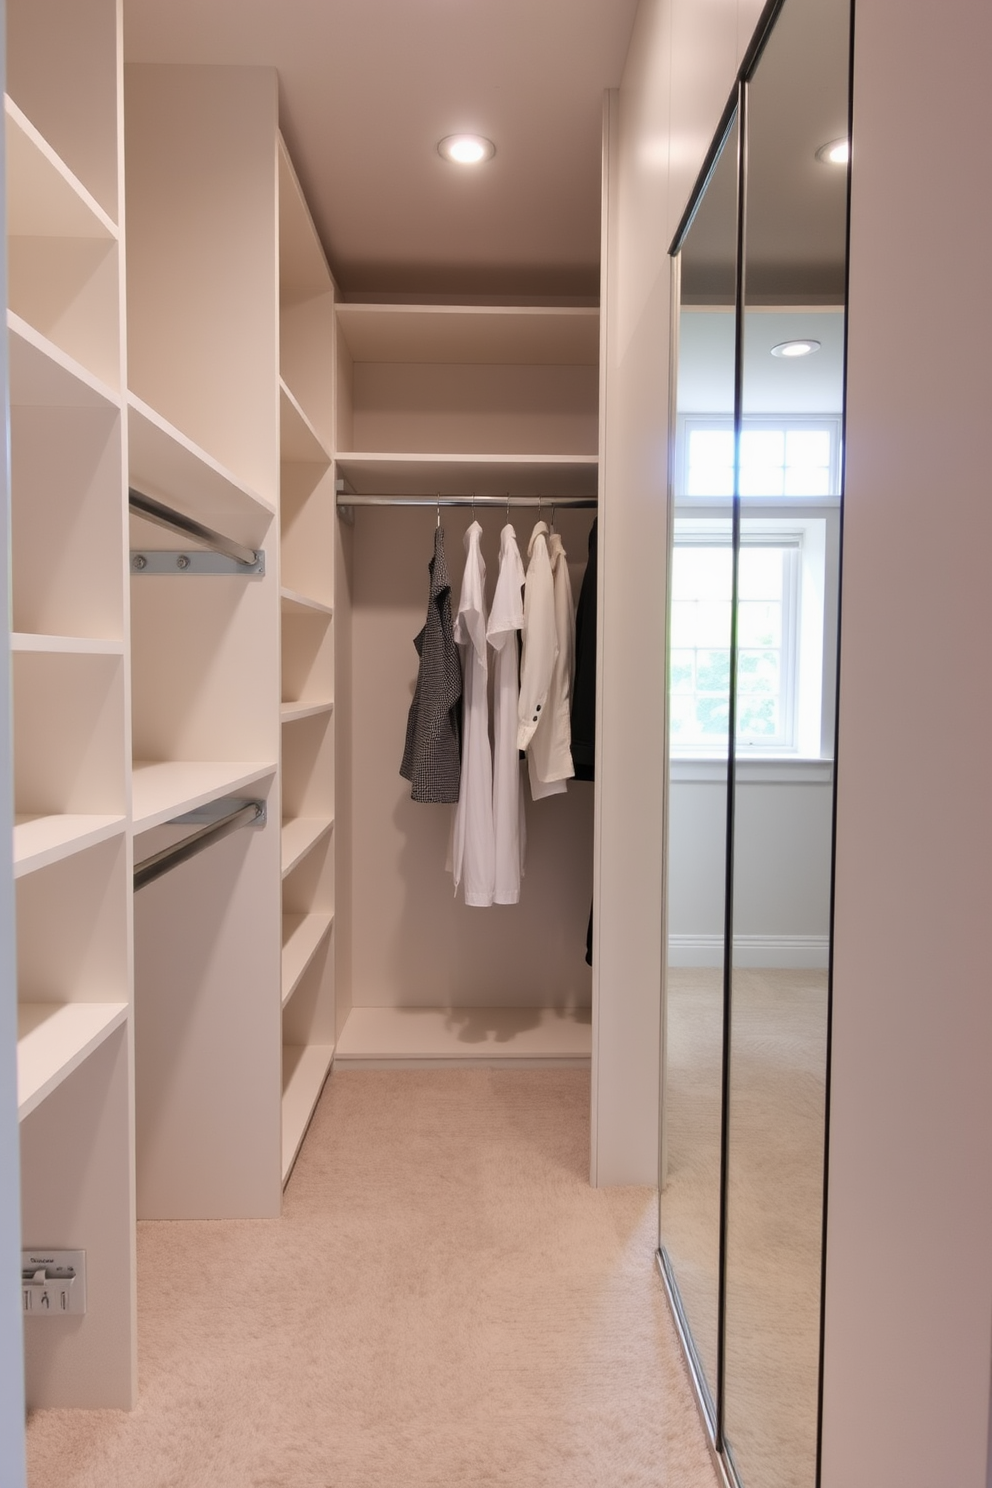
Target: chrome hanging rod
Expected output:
[243,815]
[165,516]
[430,501]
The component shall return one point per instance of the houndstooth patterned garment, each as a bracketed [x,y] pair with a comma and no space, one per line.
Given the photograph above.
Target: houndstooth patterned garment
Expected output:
[432,755]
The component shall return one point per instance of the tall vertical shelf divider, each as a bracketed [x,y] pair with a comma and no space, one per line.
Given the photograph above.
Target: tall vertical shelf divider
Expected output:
[450,399]
[72,851]
[204,433]
[306,321]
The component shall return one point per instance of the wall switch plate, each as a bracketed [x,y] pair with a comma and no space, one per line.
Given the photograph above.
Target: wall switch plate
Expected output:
[53,1282]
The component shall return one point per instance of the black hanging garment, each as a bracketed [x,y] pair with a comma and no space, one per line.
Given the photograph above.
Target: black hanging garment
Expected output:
[432,754]
[584,689]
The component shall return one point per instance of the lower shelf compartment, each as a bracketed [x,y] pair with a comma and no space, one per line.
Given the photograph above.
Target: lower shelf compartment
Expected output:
[53,1039]
[304,1070]
[394,1037]
[302,935]
[299,835]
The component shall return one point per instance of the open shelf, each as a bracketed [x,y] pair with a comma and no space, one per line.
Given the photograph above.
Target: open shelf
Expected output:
[65,645]
[399,1036]
[53,1039]
[299,835]
[42,374]
[165,463]
[302,936]
[298,439]
[291,712]
[164,789]
[510,335]
[304,1070]
[42,840]
[486,475]
[300,604]
[44,198]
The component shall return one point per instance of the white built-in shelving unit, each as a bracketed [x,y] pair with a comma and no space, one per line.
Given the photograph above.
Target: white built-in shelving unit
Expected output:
[307,527]
[70,645]
[450,399]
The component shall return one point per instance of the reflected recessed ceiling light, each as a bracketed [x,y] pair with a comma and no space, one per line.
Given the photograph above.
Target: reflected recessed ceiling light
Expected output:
[795,348]
[466,149]
[836,152]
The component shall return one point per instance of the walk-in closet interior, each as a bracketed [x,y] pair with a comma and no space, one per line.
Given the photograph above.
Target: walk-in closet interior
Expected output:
[226,485]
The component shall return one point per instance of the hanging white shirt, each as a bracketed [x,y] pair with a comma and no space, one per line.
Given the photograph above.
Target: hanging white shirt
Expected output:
[505,618]
[473,852]
[540,641]
[549,755]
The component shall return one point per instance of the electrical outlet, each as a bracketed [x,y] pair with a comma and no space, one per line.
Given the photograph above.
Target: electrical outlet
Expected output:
[53,1282]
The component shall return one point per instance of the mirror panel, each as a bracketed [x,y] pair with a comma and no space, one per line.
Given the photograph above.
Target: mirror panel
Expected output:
[699,692]
[791,408]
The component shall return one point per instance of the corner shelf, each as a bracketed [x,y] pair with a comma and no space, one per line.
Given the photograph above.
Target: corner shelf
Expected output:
[304,1070]
[44,198]
[300,604]
[291,712]
[42,840]
[43,375]
[299,835]
[162,790]
[298,439]
[302,937]
[53,1039]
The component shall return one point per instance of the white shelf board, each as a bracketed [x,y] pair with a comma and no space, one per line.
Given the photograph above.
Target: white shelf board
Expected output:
[375,1036]
[304,1070]
[53,645]
[44,198]
[298,439]
[53,1039]
[43,375]
[42,840]
[486,475]
[294,603]
[164,789]
[511,335]
[164,463]
[299,835]
[302,937]
[292,712]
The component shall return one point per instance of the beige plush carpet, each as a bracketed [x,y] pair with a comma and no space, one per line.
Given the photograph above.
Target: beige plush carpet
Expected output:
[775,1203]
[445,1304]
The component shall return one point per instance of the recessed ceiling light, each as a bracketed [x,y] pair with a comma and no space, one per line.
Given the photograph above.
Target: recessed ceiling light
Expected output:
[466,149]
[835,152]
[795,348]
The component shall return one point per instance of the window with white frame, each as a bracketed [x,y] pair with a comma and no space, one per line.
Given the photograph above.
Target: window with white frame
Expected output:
[793,457]
[767,636]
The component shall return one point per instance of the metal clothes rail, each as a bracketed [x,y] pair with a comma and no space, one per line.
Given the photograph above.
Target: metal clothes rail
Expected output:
[430,501]
[248,560]
[243,815]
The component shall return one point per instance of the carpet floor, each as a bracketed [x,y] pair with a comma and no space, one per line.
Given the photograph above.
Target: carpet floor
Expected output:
[445,1303]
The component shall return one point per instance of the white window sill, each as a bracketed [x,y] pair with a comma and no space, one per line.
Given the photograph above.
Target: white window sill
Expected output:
[766,770]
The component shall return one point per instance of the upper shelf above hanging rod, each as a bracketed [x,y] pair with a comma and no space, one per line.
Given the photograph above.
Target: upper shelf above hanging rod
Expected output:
[430,501]
[226,555]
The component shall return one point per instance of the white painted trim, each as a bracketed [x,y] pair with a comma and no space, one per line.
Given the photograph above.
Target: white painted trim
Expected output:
[782,952]
[782,769]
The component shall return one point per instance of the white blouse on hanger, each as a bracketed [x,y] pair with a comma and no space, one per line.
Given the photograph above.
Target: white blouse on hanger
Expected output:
[473,851]
[548,661]
[506,618]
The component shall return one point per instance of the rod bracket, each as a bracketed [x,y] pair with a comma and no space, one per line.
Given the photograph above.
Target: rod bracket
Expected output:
[174,561]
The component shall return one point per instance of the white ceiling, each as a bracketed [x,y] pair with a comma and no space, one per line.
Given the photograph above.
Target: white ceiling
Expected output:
[368,87]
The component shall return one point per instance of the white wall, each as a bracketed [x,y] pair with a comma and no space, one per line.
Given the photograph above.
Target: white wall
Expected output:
[909,1248]
[680,68]
[11,1340]
[782,867]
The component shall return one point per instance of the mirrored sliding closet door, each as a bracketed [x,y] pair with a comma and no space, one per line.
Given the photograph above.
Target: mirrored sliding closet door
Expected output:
[753,676]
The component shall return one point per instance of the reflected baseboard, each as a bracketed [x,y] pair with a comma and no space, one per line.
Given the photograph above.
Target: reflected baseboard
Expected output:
[776,952]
